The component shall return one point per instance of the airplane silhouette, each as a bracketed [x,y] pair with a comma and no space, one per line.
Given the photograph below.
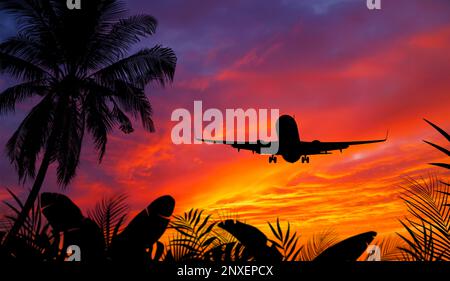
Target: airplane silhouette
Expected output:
[290,147]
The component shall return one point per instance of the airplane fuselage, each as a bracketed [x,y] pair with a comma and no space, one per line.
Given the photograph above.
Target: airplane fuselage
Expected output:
[289,139]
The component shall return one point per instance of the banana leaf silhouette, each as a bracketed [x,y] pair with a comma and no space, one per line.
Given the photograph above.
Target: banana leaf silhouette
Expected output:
[136,241]
[254,241]
[349,249]
[60,211]
[65,217]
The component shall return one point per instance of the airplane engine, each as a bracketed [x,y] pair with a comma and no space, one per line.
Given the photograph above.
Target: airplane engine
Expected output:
[315,145]
[291,157]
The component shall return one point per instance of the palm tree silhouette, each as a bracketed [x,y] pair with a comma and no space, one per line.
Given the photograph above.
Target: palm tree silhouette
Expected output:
[74,64]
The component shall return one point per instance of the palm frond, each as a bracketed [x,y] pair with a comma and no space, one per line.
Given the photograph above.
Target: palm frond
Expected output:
[24,47]
[317,244]
[34,16]
[133,100]
[157,63]
[70,129]
[127,32]
[429,228]
[178,251]
[421,246]
[99,122]
[286,242]
[18,93]
[442,165]
[441,131]
[440,148]
[224,237]
[21,69]
[195,233]
[390,248]
[111,41]
[30,138]
[445,151]
[125,123]
[35,238]
[109,215]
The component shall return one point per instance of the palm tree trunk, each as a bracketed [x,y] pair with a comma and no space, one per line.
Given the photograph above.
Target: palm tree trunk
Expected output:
[31,198]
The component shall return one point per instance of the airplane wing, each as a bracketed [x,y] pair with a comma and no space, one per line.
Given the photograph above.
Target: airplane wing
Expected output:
[318,147]
[252,146]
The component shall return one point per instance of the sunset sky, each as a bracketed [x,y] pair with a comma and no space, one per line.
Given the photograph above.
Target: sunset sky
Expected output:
[345,72]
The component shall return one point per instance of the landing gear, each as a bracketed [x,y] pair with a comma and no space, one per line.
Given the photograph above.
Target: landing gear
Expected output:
[273,159]
[305,159]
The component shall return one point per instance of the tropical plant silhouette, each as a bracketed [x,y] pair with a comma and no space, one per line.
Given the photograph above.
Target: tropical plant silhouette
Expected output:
[197,240]
[56,223]
[110,215]
[440,148]
[429,228]
[35,241]
[286,242]
[390,249]
[317,244]
[139,240]
[74,64]
[428,204]
[349,249]
[195,237]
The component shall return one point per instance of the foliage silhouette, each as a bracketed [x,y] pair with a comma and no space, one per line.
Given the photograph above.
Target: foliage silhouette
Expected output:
[427,202]
[66,219]
[198,238]
[317,244]
[429,228]
[287,242]
[74,63]
[254,241]
[349,249]
[137,240]
[390,248]
[109,215]
[440,148]
[35,241]
[195,235]
[228,252]
[64,222]
[253,245]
